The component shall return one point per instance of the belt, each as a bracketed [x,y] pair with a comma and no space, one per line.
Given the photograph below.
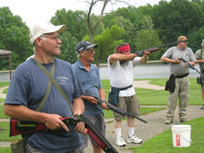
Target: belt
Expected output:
[126,87]
[180,76]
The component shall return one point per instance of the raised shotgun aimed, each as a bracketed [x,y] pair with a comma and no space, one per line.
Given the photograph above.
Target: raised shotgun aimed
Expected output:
[154,49]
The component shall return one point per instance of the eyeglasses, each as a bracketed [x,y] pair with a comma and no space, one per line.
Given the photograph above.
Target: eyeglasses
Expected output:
[90,51]
[56,38]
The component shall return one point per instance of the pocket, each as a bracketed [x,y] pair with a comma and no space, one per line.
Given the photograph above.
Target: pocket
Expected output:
[93,80]
[199,80]
[170,84]
[17,146]
[113,98]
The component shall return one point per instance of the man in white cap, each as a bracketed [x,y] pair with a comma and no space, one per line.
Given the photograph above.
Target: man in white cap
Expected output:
[28,86]
[88,76]
[199,55]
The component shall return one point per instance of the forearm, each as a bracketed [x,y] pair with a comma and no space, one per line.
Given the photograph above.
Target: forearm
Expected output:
[23,113]
[78,106]
[199,61]
[167,60]
[144,59]
[120,57]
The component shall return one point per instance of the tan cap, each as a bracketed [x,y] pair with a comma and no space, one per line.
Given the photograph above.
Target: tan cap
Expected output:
[38,30]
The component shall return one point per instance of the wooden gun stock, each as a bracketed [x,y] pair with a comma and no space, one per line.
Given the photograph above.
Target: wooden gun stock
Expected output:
[18,127]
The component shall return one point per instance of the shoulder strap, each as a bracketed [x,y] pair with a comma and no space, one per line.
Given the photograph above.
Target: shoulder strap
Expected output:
[54,82]
[39,107]
[200,64]
[47,92]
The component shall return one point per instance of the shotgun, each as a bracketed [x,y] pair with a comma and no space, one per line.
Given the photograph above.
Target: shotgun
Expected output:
[191,66]
[18,127]
[113,108]
[154,49]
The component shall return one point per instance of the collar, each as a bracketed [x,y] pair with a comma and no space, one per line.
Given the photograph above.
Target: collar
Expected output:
[80,65]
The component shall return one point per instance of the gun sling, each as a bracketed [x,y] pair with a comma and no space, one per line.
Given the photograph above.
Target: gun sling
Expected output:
[19,145]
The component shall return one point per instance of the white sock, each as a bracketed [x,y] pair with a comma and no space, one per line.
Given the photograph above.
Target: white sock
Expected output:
[118,133]
[203,103]
[131,131]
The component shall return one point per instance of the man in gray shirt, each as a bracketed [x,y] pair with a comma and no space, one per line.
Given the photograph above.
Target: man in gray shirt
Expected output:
[180,72]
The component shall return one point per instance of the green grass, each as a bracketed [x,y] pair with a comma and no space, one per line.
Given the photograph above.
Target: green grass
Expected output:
[5,90]
[3,84]
[144,110]
[2,115]
[163,142]
[2,100]
[5,150]
[4,135]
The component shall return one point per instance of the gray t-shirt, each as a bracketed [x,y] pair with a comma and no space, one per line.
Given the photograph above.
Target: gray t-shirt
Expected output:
[175,52]
[198,55]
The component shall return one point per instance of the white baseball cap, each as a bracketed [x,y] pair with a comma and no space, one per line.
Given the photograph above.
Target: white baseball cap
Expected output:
[38,30]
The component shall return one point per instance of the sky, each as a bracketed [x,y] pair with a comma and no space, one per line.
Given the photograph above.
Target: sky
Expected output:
[39,11]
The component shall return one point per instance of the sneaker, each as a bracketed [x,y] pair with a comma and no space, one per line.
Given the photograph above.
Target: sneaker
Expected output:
[134,139]
[120,142]
[202,107]
[168,121]
[184,120]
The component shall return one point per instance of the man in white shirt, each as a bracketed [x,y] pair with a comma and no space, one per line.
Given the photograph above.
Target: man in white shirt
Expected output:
[120,66]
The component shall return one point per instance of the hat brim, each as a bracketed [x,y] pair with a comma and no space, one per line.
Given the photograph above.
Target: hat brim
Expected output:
[92,46]
[58,29]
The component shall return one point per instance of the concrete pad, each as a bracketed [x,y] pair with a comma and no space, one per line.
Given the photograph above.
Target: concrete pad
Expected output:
[3,95]
[147,85]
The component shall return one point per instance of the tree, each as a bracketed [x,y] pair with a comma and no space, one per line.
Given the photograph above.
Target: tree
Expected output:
[130,32]
[149,39]
[68,47]
[93,24]
[107,42]
[196,36]
[14,37]
[176,18]
[73,21]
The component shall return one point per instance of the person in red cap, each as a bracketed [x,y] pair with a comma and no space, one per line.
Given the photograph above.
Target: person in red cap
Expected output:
[120,66]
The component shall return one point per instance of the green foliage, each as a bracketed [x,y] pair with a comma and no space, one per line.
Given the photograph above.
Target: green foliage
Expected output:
[130,32]
[74,22]
[68,47]
[14,36]
[168,20]
[173,19]
[149,39]
[107,41]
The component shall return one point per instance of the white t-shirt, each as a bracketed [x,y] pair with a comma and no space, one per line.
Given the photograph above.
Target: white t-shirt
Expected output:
[121,75]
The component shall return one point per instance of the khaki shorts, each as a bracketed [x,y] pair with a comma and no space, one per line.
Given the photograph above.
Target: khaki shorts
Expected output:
[128,104]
